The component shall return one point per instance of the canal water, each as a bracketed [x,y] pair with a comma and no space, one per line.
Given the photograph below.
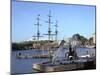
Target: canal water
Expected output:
[19,66]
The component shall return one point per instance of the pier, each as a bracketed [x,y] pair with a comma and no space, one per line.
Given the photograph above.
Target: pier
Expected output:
[65,65]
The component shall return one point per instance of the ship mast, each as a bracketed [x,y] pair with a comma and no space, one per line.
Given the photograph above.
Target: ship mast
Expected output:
[56,31]
[49,26]
[49,32]
[38,26]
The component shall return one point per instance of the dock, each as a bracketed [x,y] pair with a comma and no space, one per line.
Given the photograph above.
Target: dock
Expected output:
[64,66]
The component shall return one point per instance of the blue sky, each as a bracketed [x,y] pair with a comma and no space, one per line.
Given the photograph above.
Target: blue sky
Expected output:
[71,19]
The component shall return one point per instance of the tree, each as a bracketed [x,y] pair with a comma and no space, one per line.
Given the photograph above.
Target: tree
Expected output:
[80,38]
[76,36]
[91,40]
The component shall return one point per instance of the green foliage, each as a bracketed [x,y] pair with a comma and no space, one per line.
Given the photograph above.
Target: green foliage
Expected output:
[91,41]
[80,38]
[76,36]
[26,44]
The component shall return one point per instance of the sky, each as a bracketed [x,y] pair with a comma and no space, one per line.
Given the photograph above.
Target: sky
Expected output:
[71,19]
